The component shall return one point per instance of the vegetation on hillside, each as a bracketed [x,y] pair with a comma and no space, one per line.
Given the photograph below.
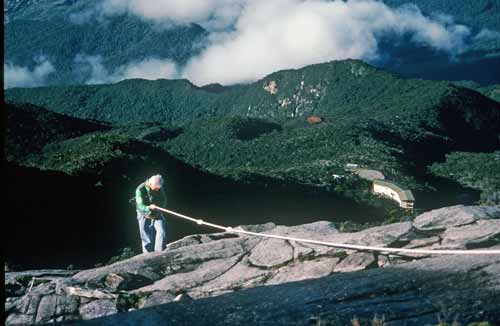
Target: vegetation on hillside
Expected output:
[90,153]
[245,149]
[492,91]
[361,115]
[295,126]
[312,154]
[30,128]
[477,170]
[342,90]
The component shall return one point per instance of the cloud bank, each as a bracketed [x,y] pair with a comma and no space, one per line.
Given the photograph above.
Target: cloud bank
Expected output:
[487,34]
[18,76]
[281,34]
[150,68]
[211,14]
[252,38]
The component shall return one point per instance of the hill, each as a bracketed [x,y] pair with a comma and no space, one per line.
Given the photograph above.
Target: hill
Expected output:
[492,91]
[476,170]
[30,128]
[344,89]
[363,115]
[50,141]
[396,126]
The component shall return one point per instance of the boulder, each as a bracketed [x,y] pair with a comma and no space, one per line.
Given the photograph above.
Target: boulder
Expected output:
[125,281]
[304,270]
[443,218]
[166,262]
[259,228]
[476,235]
[17,319]
[46,308]
[98,308]
[205,272]
[156,298]
[384,236]
[270,253]
[42,273]
[51,307]
[241,276]
[186,241]
[423,242]
[355,262]
[320,231]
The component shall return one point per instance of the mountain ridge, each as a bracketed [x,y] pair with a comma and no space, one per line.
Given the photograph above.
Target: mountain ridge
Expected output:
[360,85]
[366,116]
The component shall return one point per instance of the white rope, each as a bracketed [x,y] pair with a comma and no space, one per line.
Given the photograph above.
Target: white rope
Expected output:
[32,282]
[31,285]
[337,245]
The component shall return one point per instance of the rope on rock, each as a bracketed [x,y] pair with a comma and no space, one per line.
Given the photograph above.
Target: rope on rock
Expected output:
[332,244]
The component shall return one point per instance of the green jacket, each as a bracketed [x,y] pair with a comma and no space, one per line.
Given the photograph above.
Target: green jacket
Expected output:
[144,197]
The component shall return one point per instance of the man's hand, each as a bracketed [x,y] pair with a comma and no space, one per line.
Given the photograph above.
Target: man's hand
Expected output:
[152,207]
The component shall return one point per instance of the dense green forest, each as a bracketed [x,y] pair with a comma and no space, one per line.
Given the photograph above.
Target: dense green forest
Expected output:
[492,91]
[343,89]
[476,170]
[50,141]
[409,113]
[312,152]
[245,149]
[299,126]
[367,116]
[30,128]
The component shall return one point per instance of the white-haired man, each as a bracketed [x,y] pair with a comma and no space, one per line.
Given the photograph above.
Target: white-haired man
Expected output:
[150,195]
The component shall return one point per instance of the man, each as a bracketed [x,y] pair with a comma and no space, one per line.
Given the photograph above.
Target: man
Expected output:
[150,195]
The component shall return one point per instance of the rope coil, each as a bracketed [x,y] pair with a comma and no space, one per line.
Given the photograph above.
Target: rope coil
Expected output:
[332,244]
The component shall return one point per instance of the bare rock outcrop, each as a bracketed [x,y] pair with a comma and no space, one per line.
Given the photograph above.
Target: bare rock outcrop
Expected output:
[220,265]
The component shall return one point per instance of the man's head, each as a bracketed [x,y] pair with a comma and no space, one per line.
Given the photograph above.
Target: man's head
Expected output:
[155,182]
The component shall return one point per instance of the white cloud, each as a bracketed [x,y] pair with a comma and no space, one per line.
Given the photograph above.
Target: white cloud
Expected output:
[18,76]
[251,38]
[150,68]
[487,35]
[211,14]
[92,66]
[82,17]
[280,34]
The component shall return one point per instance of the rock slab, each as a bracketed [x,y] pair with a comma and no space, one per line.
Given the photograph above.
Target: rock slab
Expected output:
[284,281]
